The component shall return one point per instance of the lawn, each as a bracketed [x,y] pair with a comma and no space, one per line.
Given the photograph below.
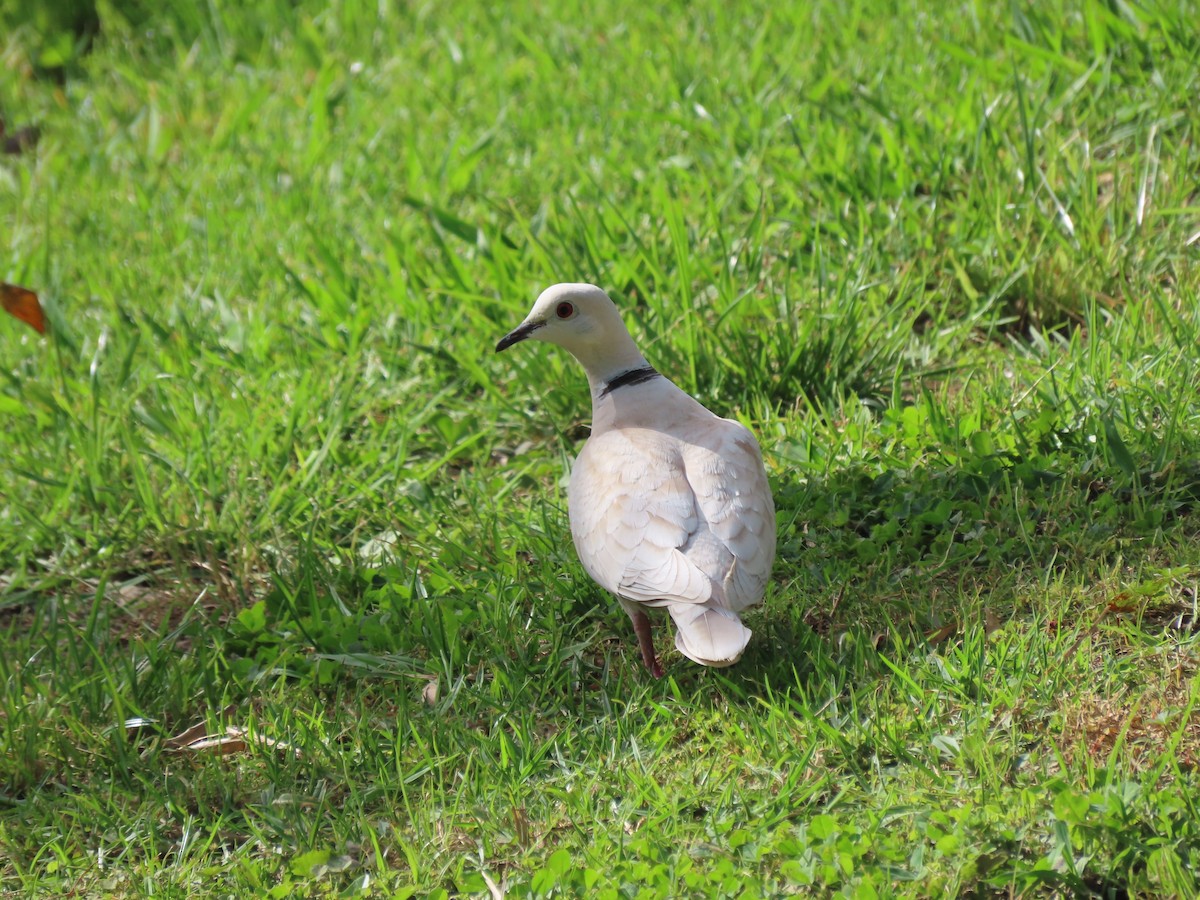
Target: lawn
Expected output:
[287,600]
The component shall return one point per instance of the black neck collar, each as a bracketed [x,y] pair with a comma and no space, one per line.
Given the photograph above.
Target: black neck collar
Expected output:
[631,376]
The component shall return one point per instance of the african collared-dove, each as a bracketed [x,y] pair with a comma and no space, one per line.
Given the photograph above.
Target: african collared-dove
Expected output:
[669,503]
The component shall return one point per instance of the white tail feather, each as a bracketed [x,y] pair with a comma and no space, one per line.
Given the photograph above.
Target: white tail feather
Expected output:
[709,635]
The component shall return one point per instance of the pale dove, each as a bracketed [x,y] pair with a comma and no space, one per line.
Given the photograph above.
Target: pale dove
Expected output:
[669,504]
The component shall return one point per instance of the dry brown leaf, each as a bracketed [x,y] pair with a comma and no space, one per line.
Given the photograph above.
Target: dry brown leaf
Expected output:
[231,739]
[522,827]
[941,635]
[222,745]
[991,622]
[188,736]
[263,740]
[200,729]
[23,304]
[430,693]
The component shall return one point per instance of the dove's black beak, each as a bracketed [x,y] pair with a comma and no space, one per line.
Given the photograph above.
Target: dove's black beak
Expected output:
[518,334]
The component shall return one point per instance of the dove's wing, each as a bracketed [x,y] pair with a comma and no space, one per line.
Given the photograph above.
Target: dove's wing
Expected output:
[733,498]
[633,513]
[689,526]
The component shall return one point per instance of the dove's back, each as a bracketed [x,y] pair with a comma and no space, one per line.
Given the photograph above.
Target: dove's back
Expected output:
[670,507]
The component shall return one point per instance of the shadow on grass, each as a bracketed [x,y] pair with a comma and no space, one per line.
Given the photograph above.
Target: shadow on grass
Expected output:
[895,561]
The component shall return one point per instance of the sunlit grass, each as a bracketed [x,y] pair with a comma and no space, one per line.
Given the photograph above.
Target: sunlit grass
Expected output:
[268,473]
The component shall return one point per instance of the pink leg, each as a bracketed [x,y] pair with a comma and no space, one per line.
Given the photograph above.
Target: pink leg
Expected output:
[641,625]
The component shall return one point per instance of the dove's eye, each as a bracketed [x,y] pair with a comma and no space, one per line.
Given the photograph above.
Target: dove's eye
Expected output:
[565,310]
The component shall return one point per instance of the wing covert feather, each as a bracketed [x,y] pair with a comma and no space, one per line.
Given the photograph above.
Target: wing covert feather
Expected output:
[656,519]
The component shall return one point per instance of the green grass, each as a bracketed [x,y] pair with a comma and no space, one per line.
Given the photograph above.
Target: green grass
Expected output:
[267,471]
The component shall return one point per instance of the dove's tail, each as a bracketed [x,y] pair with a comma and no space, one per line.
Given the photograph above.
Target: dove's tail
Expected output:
[709,635]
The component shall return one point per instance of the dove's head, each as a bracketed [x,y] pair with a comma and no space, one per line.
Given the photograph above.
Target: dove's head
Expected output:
[580,318]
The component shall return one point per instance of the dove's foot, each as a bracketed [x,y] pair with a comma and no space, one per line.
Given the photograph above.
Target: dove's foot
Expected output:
[641,625]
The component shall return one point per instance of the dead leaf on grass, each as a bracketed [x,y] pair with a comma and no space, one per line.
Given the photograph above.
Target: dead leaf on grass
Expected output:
[198,731]
[941,635]
[222,745]
[522,827]
[231,739]
[991,622]
[23,304]
[430,693]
